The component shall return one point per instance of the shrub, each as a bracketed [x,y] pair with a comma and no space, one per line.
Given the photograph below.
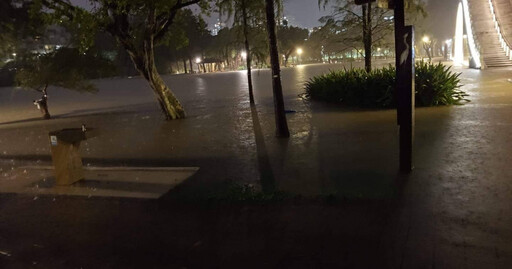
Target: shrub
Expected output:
[436,85]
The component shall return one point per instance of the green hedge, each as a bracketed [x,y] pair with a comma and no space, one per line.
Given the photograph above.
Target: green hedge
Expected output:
[436,85]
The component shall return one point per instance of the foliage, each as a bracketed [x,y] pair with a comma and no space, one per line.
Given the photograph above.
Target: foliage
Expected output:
[16,24]
[67,68]
[137,25]
[436,85]
[366,26]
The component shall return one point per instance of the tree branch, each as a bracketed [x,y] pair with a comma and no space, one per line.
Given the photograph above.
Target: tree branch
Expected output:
[165,20]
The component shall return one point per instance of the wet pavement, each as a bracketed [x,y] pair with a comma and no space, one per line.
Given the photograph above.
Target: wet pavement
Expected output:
[451,212]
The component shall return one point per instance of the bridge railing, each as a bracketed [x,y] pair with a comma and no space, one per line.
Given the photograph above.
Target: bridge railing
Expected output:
[505,44]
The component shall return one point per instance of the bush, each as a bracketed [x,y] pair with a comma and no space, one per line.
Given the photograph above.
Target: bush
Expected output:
[436,85]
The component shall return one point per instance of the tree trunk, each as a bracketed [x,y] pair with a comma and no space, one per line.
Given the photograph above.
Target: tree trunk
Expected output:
[281,124]
[145,64]
[185,66]
[42,104]
[248,52]
[367,36]
[191,65]
[286,57]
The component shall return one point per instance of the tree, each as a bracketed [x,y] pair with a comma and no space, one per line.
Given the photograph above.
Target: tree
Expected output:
[290,38]
[225,45]
[376,23]
[247,14]
[137,25]
[67,68]
[17,24]
[281,123]
[188,38]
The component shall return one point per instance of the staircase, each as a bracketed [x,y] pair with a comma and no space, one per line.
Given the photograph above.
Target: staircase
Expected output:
[485,32]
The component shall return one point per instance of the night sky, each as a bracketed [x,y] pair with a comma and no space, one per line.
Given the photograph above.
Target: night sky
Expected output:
[305,13]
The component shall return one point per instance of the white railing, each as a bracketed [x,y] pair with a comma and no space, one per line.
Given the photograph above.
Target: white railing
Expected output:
[503,40]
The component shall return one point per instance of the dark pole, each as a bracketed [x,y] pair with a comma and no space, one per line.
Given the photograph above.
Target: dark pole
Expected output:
[281,124]
[404,90]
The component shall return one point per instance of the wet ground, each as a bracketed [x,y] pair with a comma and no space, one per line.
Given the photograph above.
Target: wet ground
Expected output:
[452,212]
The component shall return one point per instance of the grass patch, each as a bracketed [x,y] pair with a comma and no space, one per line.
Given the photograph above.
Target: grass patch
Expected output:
[436,85]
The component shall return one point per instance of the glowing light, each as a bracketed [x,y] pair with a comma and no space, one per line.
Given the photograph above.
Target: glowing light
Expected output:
[426,39]
[244,55]
[299,51]
[458,55]
[198,60]
[471,39]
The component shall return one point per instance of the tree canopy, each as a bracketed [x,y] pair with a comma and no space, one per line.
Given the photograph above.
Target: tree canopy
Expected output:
[137,25]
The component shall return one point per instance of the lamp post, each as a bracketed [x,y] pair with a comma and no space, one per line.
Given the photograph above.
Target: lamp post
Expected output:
[299,53]
[198,62]
[427,46]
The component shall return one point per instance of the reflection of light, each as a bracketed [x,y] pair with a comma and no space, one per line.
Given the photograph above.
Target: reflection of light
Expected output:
[449,41]
[426,39]
[244,54]
[14,54]
[299,51]
[458,55]
[471,40]
[198,60]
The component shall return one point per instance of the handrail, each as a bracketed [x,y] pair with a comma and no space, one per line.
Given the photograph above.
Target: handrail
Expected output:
[505,44]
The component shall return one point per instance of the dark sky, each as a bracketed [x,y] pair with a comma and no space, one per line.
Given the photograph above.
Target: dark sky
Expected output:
[305,13]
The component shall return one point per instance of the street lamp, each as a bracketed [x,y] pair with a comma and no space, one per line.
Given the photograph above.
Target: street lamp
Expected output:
[198,62]
[427,45]
[299,52]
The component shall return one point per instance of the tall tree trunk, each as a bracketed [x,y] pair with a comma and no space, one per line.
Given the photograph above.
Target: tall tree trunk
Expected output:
[281,123]
[185,66]
[247,51]
[191,65]
[145,64]
[367,36]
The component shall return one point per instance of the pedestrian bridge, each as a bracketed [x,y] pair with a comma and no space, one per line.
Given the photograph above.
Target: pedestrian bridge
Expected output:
[492,27]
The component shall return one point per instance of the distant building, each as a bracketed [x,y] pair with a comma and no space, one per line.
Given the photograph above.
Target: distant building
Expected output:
[54,38]
[217,27]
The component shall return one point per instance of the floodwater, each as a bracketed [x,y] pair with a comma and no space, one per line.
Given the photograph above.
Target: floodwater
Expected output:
[332,151]
[453,212]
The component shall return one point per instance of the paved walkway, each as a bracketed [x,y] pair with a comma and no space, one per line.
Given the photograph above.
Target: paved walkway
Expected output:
[452,212]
